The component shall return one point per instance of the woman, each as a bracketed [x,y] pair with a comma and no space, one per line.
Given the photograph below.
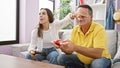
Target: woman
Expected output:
[41,47]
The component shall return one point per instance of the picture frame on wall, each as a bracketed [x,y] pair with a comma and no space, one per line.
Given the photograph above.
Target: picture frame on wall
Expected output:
[98,1]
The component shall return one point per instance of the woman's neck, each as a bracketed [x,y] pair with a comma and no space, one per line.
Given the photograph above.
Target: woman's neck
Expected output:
[46,26]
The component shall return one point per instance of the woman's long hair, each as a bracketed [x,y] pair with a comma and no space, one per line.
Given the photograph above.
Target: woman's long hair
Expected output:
[51,19]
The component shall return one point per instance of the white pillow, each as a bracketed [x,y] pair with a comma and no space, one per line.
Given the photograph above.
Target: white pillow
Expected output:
[118,39]
[117,56]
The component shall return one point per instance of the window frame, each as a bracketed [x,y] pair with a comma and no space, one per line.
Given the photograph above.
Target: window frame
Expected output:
[17,28]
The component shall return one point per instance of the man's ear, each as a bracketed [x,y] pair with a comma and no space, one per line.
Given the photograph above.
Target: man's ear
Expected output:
[91,16]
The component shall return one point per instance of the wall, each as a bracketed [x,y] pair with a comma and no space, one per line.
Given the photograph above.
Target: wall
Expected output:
[29,10]
[118,7]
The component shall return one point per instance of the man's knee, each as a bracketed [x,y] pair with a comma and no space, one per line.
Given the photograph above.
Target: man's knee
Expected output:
[100,63]
[60,59]
[53,54]
[96,63]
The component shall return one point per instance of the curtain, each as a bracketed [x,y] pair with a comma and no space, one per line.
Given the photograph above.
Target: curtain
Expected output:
[109,15]
[81,2]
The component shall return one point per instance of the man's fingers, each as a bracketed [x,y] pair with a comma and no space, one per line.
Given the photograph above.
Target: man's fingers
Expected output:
[56,46]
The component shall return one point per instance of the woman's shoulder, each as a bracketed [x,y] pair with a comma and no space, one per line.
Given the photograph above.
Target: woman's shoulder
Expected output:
[54,23]
[34,30]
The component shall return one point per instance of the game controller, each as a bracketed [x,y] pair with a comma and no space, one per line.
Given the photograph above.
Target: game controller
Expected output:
[57,42]
[42,53]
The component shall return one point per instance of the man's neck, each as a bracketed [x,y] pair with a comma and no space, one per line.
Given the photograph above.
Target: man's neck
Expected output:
[85,28]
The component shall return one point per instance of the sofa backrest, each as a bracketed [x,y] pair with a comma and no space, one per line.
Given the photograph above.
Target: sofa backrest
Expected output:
[112,42]
[118,43]
[65,34]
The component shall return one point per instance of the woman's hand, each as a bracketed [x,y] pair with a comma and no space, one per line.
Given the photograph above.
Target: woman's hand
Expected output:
[32,53]
[72,15]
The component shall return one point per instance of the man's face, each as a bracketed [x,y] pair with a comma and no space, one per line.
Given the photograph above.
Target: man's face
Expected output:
[82,16]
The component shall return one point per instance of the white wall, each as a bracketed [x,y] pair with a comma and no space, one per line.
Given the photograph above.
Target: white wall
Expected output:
[29,11]
[46,4]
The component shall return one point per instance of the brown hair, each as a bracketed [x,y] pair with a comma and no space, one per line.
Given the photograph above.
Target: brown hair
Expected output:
[88,7]
[51,19]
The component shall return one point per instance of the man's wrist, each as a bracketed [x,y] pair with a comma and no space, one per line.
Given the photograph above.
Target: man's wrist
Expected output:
[75,48]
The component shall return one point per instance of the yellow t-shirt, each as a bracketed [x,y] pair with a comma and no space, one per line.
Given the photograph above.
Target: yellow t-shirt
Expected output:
[94,38]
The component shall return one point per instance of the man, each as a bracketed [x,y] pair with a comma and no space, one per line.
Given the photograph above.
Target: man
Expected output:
[88,40]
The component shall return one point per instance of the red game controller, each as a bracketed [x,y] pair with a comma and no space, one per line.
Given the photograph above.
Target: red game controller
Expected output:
[57,42]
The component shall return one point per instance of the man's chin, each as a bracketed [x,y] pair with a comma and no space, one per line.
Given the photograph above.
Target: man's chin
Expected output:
[81,24]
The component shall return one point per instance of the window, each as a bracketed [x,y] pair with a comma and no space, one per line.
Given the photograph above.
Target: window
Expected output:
[9,21]
[67,6]
[47,4]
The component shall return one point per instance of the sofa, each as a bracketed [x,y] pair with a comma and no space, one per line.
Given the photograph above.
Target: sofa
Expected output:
[19,50]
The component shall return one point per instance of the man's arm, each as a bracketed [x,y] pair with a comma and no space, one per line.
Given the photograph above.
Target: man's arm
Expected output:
[69,47]
[90,52]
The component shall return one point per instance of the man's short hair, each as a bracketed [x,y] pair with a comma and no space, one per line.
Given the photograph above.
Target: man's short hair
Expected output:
[88,7]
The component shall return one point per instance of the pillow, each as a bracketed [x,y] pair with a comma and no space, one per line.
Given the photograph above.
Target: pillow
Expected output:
[117,56]
[118,38]
[116,61]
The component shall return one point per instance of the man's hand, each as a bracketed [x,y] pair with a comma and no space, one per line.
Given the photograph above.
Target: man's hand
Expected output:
[56,43]
[67,46]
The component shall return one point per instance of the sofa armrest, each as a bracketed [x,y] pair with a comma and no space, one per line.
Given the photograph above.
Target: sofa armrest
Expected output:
[17,48]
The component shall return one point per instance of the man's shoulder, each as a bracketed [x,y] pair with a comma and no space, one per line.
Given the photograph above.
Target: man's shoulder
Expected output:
[98,26]
[76,28]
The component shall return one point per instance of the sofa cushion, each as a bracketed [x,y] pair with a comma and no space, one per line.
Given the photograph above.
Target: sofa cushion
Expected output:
[17,48]
[112,42]
[116,65]
[118,38]
[23,54]
[117,56]
[66,34]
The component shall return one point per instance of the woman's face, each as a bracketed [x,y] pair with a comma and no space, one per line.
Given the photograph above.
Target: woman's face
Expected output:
[43,17]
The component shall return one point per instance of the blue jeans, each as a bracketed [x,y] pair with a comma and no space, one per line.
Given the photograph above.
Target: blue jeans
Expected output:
[72,61]
[51,55]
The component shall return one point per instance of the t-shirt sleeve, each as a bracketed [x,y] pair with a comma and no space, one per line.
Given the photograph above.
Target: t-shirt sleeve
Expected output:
[100,39]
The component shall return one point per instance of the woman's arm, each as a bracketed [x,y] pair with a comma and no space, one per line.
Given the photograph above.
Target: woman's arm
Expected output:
[65,21]
[33,42]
